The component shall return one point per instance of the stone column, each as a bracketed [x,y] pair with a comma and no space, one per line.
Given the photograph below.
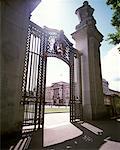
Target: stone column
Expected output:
[88,39]
[15,17]
[78,86]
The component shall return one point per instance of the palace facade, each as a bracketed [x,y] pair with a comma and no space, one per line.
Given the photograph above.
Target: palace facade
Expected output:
[59,94]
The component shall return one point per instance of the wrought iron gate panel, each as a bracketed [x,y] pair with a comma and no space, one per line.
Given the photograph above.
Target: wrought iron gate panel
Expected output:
[33,87]
[68,57]
[43,43]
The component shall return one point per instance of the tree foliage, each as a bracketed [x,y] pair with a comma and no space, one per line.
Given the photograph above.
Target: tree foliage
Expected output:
[115,6]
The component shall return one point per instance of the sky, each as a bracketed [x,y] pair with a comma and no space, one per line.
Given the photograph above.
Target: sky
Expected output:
[60,14]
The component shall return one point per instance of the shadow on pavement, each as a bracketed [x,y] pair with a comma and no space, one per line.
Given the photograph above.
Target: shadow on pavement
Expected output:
[89,140]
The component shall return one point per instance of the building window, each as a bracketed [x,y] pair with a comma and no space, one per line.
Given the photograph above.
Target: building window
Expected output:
[56,93]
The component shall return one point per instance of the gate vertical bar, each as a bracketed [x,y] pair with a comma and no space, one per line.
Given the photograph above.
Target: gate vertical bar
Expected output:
[71,86]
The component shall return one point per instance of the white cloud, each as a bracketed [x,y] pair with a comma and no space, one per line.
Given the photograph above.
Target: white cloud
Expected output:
[48,13]
[111,68]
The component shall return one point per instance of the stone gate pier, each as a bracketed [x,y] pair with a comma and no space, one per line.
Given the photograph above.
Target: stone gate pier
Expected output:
[88,39]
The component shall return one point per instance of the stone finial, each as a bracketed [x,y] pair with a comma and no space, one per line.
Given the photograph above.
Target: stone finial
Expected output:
[85,15]
[85,3]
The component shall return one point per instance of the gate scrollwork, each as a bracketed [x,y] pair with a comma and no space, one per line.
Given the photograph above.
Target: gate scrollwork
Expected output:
[58,45]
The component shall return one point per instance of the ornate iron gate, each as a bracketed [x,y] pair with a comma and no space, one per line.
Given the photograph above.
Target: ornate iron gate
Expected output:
[33,88]
[43,43]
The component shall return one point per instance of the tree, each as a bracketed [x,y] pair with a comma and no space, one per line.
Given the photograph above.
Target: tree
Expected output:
[114,38]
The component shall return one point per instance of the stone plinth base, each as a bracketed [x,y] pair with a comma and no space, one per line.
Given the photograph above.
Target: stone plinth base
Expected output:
[97,113]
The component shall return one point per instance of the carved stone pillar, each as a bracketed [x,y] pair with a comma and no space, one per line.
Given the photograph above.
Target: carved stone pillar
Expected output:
[88,39]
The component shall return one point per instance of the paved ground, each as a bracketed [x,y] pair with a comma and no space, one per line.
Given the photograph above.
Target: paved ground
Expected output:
[55,119]
[58,125]
[60,134]
[103,135]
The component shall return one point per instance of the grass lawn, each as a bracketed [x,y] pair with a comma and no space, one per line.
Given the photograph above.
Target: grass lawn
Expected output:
[56,109]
